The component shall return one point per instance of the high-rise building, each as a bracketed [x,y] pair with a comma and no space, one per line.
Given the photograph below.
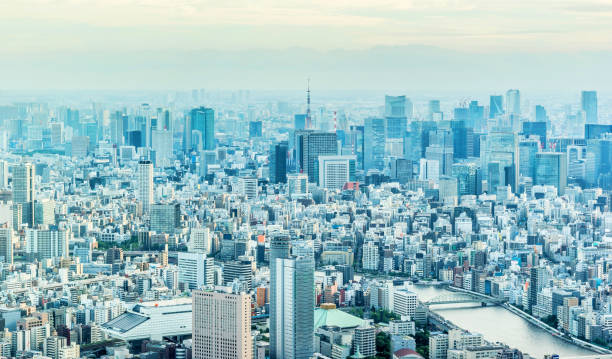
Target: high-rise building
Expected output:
[4,174]
[533,128]
[241,270]
[255,129]
[469,178]
[551,170]
[433,111]
[203,120]
[200,240]
[162,144]
[374,144]
[297,184]
[527,153]
[221,325]
[165,217]
[277,162]
[145,184]
[513,102]
[6,245]
[537,278]
[47,243]
[279,249]
[295,300]
[195,270]
[248,187]
[24,190]
[588,103]
[335,171]
[496,106]
[310,145]
[364,341]
[395,116]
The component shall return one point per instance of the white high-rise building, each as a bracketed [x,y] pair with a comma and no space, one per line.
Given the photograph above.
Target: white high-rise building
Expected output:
[429,170]
[162,144]
[335,171]
[200,240]
[404,302]
[248,187]
[195,269]
[370,257]
[47,244]
[221,325]
[145,185]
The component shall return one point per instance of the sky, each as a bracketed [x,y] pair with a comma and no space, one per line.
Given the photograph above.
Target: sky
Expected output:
[151,43]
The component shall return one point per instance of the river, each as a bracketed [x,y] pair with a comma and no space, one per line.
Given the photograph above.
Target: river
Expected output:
[497,324]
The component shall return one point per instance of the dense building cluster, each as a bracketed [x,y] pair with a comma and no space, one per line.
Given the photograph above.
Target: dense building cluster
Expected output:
[245,230]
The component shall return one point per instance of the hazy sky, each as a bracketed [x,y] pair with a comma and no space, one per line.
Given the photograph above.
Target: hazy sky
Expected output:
[49,36]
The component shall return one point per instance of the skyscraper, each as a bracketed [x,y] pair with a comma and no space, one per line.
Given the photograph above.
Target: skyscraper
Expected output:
[374,143]
[537,276]
[513,102]
[279,249]
[277,162]
[24,190]
[395,116]
[195,270]
[6,245]
[145,185]
[551,170]
[496,105]
[295,301]
[203,120]
[588,103]
[537,128]
[335,171]
[310,145]
[221,325]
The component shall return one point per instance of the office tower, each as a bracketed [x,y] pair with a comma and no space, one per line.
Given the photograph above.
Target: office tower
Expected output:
[513,102]
[496,106]
[299,122]
[279,249]
[24,190]
[200,240]
[248,187]
[429,170]
[221,325]
[255,129]
[145,185]
[295,300]
[242,270]
[594,131]
[47,243]
[207,158]
[395,116]
[187,130]
[475,116]
[401,170]
[404,302]
[537,278]
[195,270]
[44,212]
[277,162]
[310,145]
[203,120]
[6,245]
[469,178]
[355,144]
[334,171]
[433,110]
[463,139]
[448,190]
[527,153]
[551,170]
[537,129]
[161,142]
[588,103]
[599,153]
[4,174]
[364,341]
[165,217]
[499,159]
[374,144]
[540,114]
[297,184]
[443,155]
[416,139]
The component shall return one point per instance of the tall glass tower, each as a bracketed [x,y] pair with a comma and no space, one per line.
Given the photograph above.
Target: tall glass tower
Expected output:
[589,105]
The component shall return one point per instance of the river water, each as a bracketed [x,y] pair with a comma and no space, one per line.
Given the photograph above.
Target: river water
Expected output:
[497,324]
